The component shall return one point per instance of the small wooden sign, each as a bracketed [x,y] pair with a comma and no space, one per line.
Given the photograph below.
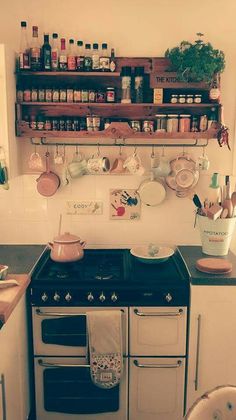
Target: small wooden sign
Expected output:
[84,207]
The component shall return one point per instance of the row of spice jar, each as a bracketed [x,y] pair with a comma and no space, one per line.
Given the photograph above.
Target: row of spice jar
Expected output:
[172,123]
[188,99]
[65,95]
[89,123]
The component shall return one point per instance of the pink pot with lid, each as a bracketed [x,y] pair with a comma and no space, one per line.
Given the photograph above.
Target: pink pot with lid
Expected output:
[67,248]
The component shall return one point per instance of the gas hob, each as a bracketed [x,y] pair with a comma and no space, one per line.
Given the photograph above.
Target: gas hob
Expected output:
[109,277]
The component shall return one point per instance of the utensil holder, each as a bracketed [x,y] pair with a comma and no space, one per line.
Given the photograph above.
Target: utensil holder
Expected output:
[215,234]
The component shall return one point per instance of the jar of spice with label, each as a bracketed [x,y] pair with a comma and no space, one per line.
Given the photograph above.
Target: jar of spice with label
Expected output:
[172,123]
[184,123]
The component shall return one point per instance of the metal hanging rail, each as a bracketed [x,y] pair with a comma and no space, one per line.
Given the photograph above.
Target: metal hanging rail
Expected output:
[44,142]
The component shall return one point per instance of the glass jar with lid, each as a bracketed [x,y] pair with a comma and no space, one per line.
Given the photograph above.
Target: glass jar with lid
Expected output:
[184,123]
[161,123]
[182,99]
[197,98]
[174,99]
[189,99]
[172,123]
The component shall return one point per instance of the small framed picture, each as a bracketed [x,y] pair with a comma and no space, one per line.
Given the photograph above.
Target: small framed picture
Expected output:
[124,204]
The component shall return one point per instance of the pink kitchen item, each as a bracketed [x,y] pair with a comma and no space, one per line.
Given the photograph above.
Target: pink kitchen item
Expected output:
[67,248]
[48,182]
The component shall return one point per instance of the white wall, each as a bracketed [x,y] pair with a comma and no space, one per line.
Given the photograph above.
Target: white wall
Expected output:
[134,28]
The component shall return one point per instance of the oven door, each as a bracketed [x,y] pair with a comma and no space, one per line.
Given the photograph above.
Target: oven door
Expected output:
[64,390]
[158,331]
[62,331]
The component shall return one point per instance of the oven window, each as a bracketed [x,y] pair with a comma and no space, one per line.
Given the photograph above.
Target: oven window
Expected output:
[70,390]
[66,331]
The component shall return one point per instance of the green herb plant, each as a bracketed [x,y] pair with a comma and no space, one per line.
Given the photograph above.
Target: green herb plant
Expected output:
[196,62]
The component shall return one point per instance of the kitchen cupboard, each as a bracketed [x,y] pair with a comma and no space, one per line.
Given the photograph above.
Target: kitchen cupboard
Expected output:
[212,339]
[14,371]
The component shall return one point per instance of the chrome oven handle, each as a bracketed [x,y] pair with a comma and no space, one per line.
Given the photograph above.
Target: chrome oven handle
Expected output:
[196,380]
[180,312]
[60,365]
[4,409]
[45,313]
[158,365]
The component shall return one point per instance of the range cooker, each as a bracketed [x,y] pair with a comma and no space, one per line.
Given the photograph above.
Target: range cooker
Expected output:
[153,300]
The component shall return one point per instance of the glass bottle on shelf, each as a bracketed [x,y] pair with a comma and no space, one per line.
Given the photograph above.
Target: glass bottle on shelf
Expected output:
[35,51]
[214,93]
[80,56]
[104,61]
[54,52]
[63,56]
[71,58]
[87,58]
[23,58]
[46,54]
[95,57]
[138,84]
[126,85]
[112,60]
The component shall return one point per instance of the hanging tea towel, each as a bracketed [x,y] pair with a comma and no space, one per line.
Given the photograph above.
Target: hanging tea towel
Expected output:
[105,347]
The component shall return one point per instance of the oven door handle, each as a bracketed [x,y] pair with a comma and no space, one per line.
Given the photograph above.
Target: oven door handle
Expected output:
[44,313]
[180,312]
[4,409]
[158,365]
[61,365]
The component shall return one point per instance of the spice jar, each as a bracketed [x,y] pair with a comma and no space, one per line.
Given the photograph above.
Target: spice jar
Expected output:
[182,99]
[62,95]
[197,99]
[161,123]
[110,94]
[126,85]
[174,99]
[184,123]
[135,125]
[172,123]
[189,99]
[41,95]
[27,95]
[55,95]
[194,125]
[69,95]
[34,95]
[203,123]
[77,95]
[148,126]
[48,95]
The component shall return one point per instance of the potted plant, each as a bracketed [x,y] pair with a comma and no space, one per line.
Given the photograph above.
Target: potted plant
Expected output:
[196,62]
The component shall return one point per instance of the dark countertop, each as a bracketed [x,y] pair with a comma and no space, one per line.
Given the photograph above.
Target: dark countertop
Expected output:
[191,254]
[20,258]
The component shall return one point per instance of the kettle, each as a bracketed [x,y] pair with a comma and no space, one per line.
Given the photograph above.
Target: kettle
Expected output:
[67,248]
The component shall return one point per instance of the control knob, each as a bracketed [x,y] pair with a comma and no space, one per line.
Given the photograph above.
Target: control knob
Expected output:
[44,297]
[102,297]
[114,297]
[90,297]
[68,297]
[168,297]
[56,297]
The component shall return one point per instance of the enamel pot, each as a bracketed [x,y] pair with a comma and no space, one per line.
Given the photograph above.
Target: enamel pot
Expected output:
[48,182]
[67,248]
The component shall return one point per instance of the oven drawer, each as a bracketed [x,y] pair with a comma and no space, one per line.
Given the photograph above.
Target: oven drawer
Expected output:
[156,388]
[63,332]
[64,390]
[158,331]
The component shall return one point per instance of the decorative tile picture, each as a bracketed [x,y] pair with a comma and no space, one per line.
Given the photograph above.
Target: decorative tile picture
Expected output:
[84,207]
[124,204]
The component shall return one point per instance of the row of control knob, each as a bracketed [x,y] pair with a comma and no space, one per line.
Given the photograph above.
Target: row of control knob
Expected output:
[90,297]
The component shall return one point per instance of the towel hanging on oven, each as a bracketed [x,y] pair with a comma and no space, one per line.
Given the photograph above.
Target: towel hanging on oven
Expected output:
[105,347]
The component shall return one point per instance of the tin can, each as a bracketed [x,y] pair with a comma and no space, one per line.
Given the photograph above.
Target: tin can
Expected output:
[68,124]
[34,95]
[47,125]
[27,95]
[69,95]
[75,124]
[62,95]
[41,95]
[89,123]
[48,95]
[135,125]
[101,96]
[55,95]
[33,124]
[110,94]
[83,125]
[40,123]
[148,126]
[62,125]
[203,123]
[77,95]
[92,96]
[96,123]
[84,95]
[55,124]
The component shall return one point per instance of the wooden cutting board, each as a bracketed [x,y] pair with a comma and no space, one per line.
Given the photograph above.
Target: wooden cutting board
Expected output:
[214,265]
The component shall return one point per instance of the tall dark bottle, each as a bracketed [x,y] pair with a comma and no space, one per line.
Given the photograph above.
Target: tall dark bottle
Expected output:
[46,54]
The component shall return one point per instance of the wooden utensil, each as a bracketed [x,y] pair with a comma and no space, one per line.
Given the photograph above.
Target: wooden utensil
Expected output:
[233,200]
[214,265]
[227,203]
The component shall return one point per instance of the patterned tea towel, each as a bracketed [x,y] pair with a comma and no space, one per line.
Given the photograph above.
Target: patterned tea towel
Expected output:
[105,347]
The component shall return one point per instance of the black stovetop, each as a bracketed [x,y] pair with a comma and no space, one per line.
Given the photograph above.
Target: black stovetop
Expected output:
[109,272]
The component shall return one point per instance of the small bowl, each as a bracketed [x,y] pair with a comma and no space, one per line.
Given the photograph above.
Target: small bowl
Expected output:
[142,254]
[3,271]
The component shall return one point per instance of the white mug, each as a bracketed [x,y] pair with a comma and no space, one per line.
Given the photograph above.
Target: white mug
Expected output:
[96,165]
[203,163]
[163,169]
[77,168]
[134,165]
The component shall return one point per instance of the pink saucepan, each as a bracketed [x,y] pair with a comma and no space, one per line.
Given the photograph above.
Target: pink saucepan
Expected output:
[67,248]
[48,182]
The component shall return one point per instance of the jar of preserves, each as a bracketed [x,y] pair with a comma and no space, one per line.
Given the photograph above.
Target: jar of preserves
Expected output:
[55,95]
[197,99]
[69,95]
[40,122]
[161,124]
[92,95]
[41,95]
[89,123]
[135,125]
[110,94]
[189,99]
[174,99]
[48,95]
[203,123]
[77,95]
[184,123]
[148,126]
[34,95]
[33,124]
[101,97]
[172,123]
[84,95]
[20,95]
[62,95]
[182,99]
[27,95]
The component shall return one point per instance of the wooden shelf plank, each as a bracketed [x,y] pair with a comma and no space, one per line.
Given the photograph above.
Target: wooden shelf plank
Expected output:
[121,105]
[67,74]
